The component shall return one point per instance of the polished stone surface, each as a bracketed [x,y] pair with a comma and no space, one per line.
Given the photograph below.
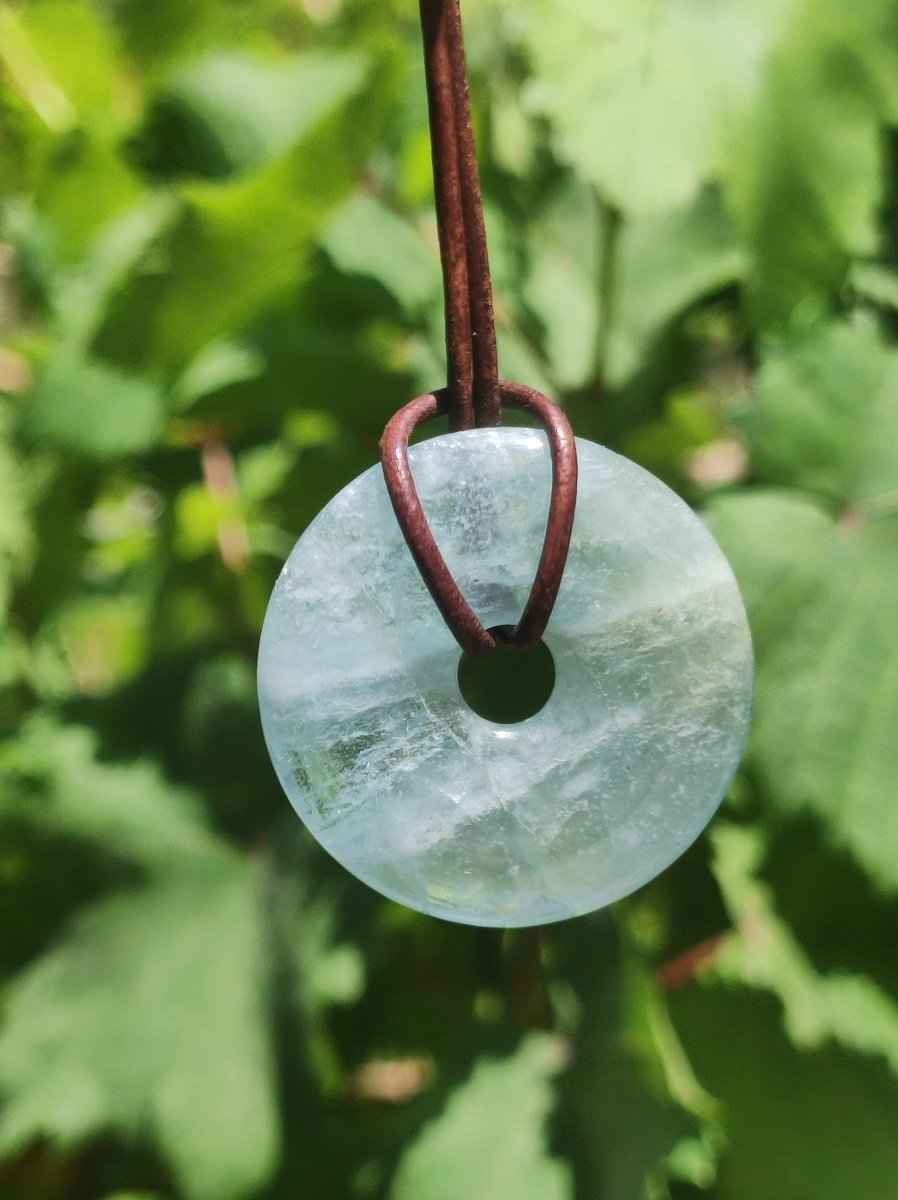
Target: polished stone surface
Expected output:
[568,810]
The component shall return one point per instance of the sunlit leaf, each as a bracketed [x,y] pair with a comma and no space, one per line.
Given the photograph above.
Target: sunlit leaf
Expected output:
[92,409]
[845,1008]
[667,264]
[364,238]
[823,601]
[54,779]
[805,177]
[489,1141]
[150,1015]
[825,414]
[561,290]
[61,86]
[798,1123]
[231,113]
[641,93]
[240,245]
[83,164]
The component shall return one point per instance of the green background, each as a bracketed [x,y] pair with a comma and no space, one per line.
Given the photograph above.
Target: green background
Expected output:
[218,278]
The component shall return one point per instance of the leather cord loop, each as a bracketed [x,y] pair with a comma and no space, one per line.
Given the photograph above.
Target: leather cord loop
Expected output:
[469,631]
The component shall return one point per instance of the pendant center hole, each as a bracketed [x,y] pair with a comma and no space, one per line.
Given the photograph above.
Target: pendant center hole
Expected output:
[510,685]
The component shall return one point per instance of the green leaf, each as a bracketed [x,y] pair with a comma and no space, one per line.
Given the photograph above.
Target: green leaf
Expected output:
[667,263]
[805,176]
[869,28]
[823,603]
[28,77]
[150,1015]
[840,920]
[82,165]
[217,365]
[240,245]
[799,1124]
[364,238]
[873,281]
[848,1009]
[824,415]
[231,113]
[489,1142]
[520,361]
[79,85]
[155,35]
[563,281]
[82,291]
[53,779]
[92,409]
[640,93]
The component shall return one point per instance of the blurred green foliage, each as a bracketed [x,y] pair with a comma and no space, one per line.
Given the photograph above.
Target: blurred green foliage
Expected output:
[218,278]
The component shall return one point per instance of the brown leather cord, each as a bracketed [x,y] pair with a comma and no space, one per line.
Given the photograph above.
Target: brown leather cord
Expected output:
[470,326]
[474,395]
[469,631]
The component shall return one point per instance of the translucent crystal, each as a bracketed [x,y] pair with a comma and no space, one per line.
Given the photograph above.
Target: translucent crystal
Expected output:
[526,823]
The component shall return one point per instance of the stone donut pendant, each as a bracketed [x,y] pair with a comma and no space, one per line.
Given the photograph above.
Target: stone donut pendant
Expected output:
[518,824]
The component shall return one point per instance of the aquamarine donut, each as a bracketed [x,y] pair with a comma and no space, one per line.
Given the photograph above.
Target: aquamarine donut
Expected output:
[507,825]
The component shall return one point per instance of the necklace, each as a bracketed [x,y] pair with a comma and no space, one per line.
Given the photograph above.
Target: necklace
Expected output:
[470,539]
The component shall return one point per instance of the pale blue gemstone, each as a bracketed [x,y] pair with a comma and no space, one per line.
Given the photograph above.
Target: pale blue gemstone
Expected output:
[519,824]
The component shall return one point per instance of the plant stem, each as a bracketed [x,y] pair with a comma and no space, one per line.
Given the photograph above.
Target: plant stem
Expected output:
[610,225]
